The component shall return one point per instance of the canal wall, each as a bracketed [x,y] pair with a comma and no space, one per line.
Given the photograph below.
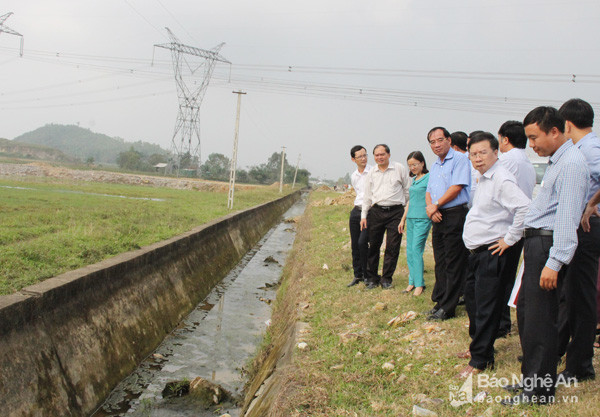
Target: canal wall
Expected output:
[67,341]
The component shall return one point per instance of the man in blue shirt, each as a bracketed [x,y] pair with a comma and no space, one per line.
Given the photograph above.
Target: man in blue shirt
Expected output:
[447,197]
[577,310]
[550,242]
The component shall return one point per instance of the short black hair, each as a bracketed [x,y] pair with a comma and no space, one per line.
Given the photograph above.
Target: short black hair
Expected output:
[418,155]
[387,148]
[356,149]
[546,118]
[443,129]
[484,136]
[475,132]
[514,131]
[459,139]
[578,112]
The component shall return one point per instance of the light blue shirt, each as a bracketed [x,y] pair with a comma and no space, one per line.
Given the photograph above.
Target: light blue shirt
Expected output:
[560,202]
[454,170]
[589,145]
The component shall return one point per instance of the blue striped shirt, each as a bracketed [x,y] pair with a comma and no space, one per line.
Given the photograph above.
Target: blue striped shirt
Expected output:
[589,145]
[560,202]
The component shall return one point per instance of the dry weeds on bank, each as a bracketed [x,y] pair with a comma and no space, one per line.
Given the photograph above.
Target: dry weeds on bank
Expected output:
[356,364]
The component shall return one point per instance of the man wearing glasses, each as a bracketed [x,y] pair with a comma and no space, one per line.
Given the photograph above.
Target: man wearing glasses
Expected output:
[359,238]
[447,197]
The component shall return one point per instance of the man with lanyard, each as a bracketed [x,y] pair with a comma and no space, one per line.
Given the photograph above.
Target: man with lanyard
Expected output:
[386,194]
[577,310]
[446,198]
[359,238]
[493,226]
[550,242]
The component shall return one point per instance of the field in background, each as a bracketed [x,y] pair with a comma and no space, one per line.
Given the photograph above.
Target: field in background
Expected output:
[49,226]
[356,364]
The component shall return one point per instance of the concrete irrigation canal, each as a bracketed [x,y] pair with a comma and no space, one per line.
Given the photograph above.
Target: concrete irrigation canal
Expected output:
[214,342]
[165,330]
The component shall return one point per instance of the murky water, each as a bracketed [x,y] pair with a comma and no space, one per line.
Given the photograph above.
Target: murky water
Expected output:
[216,340]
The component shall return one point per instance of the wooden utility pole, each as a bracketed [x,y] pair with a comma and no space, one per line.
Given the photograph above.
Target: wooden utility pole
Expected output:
[296,173]
[282,163]
[234,154]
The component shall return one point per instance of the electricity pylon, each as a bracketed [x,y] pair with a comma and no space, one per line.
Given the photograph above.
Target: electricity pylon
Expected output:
[6,29]
[186,136]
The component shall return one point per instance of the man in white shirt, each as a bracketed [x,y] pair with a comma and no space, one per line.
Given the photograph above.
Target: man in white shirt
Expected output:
[386,194]
[358,237]
[512,142]
[493,225]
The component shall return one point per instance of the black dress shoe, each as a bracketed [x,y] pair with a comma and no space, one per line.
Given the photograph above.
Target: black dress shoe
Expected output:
[430,312]
[371,285]
[440,315]
[513,388]
[386,285]
[567,377]
[355,281]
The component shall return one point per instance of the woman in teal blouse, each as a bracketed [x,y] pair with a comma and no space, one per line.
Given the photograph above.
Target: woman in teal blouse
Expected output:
[416,223]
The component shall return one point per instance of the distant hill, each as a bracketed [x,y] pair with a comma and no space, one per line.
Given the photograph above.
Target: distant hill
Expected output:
[83,143]
[28,151]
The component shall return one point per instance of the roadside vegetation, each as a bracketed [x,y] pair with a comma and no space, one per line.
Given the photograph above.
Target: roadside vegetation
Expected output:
[50,226]
[356,364]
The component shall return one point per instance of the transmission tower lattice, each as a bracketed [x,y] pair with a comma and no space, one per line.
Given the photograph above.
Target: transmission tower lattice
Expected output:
[6,29]
[186,136]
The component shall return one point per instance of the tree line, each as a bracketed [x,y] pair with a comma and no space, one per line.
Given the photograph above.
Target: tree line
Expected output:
[216,167]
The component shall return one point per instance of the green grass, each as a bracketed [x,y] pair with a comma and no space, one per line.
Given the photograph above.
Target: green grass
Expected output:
[47,228]
[343,376]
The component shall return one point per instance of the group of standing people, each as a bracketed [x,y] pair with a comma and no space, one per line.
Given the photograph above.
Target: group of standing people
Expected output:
[480,209]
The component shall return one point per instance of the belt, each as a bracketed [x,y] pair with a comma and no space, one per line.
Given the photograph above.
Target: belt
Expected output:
[536,232]
[462,206]
[387,208]
[479,249]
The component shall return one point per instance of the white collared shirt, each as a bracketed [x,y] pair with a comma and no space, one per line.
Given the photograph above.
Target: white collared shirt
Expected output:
[499,209]
[357,180]
[517,162]
[386,188]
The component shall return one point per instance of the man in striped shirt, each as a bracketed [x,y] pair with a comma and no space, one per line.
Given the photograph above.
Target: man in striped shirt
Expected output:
[577,311]
[550,242]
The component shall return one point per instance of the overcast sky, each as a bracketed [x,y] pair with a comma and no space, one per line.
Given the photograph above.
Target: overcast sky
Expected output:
[321,76]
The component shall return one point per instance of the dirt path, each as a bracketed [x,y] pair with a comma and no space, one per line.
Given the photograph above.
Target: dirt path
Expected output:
[37,169]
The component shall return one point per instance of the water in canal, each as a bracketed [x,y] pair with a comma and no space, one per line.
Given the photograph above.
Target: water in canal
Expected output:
[216,340]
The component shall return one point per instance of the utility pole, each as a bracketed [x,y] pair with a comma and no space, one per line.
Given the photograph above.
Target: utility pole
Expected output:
[281,175]
[235,149]
[6,29]
[296,173]
[186,137]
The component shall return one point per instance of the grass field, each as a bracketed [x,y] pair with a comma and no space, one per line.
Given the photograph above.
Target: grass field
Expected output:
[358,365]
[49,227]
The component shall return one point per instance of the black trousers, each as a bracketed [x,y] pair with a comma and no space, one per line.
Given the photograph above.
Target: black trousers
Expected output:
[538,320]
[488,279]
[505,323]
[360,244]
[577,313]
[450,257]
[382,221]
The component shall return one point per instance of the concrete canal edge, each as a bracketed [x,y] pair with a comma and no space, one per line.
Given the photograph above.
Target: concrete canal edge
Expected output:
[272,384]
[67,341]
